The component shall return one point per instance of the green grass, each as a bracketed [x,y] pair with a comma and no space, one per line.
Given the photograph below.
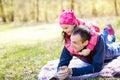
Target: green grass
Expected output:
[25,49]
[21,60]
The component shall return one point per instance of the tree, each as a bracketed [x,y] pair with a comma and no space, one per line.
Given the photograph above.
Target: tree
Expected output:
[115,4]
[72,4]
[61,4]
[12,11]
[46,10]
[2,12]
[94,11]
[37,7]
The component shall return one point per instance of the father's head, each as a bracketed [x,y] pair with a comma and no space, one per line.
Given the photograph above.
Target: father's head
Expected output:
[80,38]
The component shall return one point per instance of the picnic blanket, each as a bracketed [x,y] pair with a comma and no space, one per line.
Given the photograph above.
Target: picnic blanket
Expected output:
[109,69]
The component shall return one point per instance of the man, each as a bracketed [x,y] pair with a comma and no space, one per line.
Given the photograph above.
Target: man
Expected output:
[79,40]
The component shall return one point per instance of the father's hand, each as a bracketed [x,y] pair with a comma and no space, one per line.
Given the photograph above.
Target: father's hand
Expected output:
[64,72]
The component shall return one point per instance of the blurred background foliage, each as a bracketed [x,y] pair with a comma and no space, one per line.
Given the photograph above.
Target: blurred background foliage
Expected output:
[49,10]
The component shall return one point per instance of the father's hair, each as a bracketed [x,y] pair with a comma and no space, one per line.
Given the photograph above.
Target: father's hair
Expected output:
[83,31]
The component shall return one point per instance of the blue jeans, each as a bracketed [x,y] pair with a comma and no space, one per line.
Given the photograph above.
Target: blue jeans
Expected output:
[108,38]
[112,50]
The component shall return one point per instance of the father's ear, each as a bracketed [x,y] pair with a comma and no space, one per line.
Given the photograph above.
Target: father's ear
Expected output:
[86,43]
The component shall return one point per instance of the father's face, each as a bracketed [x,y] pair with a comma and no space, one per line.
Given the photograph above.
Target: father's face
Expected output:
[76,42]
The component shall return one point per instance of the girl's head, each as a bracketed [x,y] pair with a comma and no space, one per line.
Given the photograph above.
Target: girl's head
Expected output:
[67,22]
[67,17]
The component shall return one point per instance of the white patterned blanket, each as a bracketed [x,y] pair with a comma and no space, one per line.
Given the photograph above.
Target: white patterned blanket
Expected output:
[109,70]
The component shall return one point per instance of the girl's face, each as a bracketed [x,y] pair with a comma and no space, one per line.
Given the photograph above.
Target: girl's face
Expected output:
[68,29]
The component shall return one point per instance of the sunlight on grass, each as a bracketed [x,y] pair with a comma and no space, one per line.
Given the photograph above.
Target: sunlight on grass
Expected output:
[32,34]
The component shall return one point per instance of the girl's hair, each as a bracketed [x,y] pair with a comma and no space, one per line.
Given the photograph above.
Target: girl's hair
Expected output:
[65,37]
[83,31]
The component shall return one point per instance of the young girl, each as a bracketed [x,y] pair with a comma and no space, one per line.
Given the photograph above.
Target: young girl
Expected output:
[68,22]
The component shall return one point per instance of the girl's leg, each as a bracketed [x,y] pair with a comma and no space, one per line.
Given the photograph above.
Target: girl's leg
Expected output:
[111,38]
[110,29]
[109,34]
[105,35]
[112,50]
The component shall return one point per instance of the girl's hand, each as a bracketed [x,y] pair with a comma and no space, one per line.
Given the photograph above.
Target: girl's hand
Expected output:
[85,52]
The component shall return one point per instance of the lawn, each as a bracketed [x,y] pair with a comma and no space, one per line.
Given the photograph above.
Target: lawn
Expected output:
[25,48]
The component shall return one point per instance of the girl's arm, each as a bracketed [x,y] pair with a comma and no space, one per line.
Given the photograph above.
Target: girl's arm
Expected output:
[94,37]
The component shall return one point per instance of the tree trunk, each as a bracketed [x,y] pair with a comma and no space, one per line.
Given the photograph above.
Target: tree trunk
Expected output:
[2,12]
[115,4]
[72,4]
[94,11]
[37,7]
[79,8]
[12,12]
[46,11]
[61,4]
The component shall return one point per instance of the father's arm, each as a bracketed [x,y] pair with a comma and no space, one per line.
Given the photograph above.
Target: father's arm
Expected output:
[64,58]
[97,62]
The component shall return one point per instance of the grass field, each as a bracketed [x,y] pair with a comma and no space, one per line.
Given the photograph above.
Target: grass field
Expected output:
[25,48]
